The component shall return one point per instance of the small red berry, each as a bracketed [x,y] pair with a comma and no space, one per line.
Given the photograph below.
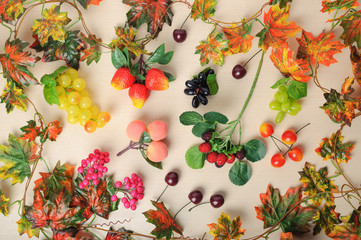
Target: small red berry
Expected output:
[266,130]
[212,157]
[295,154]
[231,159]
[221,159]
[278,160]
[289,137]
[205,147]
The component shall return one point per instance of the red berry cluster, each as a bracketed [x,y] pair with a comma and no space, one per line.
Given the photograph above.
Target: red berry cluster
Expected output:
[93,167]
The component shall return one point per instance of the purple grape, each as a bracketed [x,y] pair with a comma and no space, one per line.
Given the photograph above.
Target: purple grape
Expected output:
[171,178]
[217,200]
[195,196]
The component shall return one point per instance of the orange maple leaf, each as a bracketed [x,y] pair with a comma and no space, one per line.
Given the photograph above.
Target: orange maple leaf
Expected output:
[239,39]
[320,49]
[282,58]
[95,2]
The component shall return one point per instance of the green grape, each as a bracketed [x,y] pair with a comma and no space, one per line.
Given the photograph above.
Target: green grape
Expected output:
[274,105]
[82,122]
[85,114]
[85,103]
[282,88]
[72,73]
[292,112]
[286,105]
[84,93]
[95,111]
[73,110]
[64,80]
[281,96]
[60,90]
[63,99]
[296,106]
[79,84]
[72,119]
[74,98]
[280,116]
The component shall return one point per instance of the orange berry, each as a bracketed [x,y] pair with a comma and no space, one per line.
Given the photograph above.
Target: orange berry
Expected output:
[157,151]
[122,79]
[156,80]
[104,117]
[138,93]
[90,126]
[266,130]
[135,129]
[289,137]
[157,130]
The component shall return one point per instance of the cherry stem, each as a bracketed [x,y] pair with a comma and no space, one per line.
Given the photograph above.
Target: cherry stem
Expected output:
[185,20]
[276,143]
[252,57]
[182,209]
[302,127]
[131,146]
[162,193]
[281,141]
[198,205]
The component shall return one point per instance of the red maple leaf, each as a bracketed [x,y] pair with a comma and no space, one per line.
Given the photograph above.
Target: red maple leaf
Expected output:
[239,40]
[51,132]
[31,131]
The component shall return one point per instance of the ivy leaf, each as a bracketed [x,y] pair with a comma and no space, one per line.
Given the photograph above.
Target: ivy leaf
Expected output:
[352,29]
[203,9]
[255,150]
[17,157]
[31,131]
[214,48]
[239,38]
[286,236]
[13,96]
[190,118]
[282,4]
[329,6]
[96,198]
[4,203]
[11,10]
[24,226]
[282,58]
[351,228]
[15,61]
[226,229]
[195,158]
[126,39]
[163,221]
[51,132]
[275,207]
[334,148]
[120,235]
[321,48]
[51,25]
[326,219]
[317,184]
[356,64]
[240,173]
[153,12]
[277,29]
[91,53]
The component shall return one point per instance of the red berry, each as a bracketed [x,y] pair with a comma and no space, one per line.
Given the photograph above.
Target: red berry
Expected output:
[114,198]
[278,160]
[221,159]
[205,147]
[289,137]
[212,157]
[295,154]
[266,130]
[231,159]
[179,35]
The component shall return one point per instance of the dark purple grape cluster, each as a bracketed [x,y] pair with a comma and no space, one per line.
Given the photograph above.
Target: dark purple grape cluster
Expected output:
[198,88]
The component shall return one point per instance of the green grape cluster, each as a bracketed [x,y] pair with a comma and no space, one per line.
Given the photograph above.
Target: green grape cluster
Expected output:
[75,100]
[284,103]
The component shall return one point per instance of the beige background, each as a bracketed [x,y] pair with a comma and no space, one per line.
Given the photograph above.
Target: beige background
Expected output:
[74,143]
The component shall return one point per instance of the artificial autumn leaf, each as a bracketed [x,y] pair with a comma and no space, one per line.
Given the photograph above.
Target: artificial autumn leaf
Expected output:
[239,40]
[4,203]
[51,132]
[51,25]
[91,53]
[282,58]
[126,39]
[24,226]
[276,206]
[334,148]
[356,64]
[213,48]
[11,10]
[320,49]
[286,236]
[153,12]
[350,229]
[18,157]
[226,229]
[326,219]
[55,214]
[95,198]
[163,221]
[347,86]
[282,4]
[68,50]
[329,6]
[277,29]
[60,178]
[31,131]
[65,234]
[203,9]
[317,185]
[120,235]
[352,29]
[13,96]
[15,61]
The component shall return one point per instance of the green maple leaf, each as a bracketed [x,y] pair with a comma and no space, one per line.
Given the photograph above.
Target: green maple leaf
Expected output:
[276,206]
[51,25]
[18,157]
[226,229]
[4,203]
[329,6]
[24,226]
[13,96]
[316,184]
[214,48]
[11,10]
[326,219]
[163,221]
[203,9]
[352,29]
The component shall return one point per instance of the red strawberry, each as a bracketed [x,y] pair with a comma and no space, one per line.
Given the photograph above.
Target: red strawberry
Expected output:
[221,159]
[138,93]
[212,157]
[122,79]
[231,159]
[156,80]
[205,147]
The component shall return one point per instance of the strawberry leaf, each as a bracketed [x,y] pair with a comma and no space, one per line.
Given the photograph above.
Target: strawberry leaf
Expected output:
[153,12]
[24,226]
[11,10]
[51,132]
[4,203]
[276,206]
[126,39]
[239,38]
[17,157]
[329,6]
[226,229]
[326,219]
[214,48]
[352,29]
[203,9]
[31,131]
[163,221]
[13,96]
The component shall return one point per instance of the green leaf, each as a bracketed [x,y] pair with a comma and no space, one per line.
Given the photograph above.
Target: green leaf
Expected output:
[170,77]
[255,150]
[297,89]
[280,82]
[118,58]
[215,117]
[166,58]
[154,164]
[144,138]
[240,173]
[190,118]
[212,84]
[49,82]
[202,127]
[157,55]
[195,158]
[134,69]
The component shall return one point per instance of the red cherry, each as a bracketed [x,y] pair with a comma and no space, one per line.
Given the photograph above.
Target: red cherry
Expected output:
[289,137]
[295,154]
[278,160]
[266,130]
[179,35]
